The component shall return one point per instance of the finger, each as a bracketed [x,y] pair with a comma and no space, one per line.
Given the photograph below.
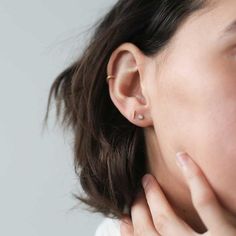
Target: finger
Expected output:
[126,227]
[141,217]
[165,220]
[203,197]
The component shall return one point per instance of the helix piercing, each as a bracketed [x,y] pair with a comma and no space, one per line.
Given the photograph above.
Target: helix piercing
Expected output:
[110,77]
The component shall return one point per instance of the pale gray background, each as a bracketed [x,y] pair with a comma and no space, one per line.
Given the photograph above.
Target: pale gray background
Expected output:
[38,40]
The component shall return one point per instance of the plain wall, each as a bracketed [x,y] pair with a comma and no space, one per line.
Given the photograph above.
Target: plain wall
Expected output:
[39,38]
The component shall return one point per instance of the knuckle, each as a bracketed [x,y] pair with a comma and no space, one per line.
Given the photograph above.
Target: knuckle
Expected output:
[196,173]
[203,199]
[140,231]
[160,223]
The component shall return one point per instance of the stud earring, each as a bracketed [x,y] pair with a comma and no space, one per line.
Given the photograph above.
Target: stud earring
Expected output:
[140,116]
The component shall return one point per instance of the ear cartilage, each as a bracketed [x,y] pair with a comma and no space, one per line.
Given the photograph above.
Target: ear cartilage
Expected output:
[110,77]
[141,97]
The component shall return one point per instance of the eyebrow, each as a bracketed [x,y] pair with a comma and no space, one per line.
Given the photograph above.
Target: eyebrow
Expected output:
[231,28]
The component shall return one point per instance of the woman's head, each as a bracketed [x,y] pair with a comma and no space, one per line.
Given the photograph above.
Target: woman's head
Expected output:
[169,67]
[190,93]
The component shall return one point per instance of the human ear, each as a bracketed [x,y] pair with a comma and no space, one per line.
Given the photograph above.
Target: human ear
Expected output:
[126,88]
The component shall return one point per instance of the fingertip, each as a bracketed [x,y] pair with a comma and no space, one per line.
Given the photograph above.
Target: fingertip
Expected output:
[182,159]
[146,179]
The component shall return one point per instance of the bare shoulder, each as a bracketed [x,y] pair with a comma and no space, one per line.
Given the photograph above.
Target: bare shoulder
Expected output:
[108,227]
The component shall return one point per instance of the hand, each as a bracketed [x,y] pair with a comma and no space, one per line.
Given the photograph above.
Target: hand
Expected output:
[153,216]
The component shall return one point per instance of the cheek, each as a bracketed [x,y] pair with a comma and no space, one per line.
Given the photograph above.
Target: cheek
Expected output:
[196,112]
[215,151]
[214,133]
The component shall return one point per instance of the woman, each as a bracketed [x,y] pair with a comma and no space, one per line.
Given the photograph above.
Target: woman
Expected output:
[171,87]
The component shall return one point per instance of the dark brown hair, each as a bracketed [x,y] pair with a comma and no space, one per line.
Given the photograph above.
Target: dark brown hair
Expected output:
[109,151]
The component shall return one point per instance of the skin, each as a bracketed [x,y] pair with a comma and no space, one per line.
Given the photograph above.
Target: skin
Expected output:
[158,218]
[187,94]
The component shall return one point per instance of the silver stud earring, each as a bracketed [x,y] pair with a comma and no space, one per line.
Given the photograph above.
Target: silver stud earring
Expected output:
[140,116]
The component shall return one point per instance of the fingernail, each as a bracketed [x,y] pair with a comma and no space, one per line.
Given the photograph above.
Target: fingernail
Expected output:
[182,159]
[145,180]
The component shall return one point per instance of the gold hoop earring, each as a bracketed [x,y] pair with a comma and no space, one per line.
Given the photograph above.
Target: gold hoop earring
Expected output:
[110,77]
